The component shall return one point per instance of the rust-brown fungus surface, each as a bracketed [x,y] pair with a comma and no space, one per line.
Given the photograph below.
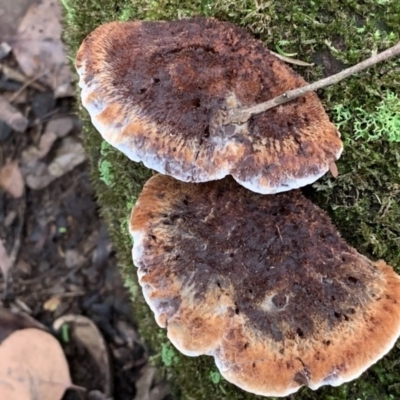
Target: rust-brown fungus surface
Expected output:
[153,90]
[264,284]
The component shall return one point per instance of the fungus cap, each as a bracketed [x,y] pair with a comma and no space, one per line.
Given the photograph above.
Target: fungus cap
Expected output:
[154,88]
[264,284]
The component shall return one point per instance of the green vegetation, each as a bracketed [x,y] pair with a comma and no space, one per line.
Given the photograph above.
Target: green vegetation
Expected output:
[106,174]
[168,354]
[368,125]
[364,201]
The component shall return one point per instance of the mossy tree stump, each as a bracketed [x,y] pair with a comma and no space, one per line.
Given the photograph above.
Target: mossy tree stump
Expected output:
[364,202]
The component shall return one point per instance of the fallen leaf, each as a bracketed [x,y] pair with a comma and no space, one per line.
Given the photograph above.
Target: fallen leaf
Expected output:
[11,179]
[11,116]
[69,155]
[97,395]
[39,50]
[36,153]
[24,267]
[60,126]
[52,303]
[145,382]
[84,331]
[5,49]
[38,175]
[145,388]
[129,334]
[13,321]
[33,366]
[73,258]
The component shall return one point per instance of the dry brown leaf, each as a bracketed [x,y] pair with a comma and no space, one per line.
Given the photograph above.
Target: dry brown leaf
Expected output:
[52,303]
[84,331]
[145,382]
[36,153]
[97,395]
[36,175]
[60,126]
[12,321]
[70,154]
[146,389]
[39,49]
[11,179]
[73,258]
[11,116]
[33,366]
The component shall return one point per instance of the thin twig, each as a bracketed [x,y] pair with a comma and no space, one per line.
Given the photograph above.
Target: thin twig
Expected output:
[240,116]
[27,83]
[13,74]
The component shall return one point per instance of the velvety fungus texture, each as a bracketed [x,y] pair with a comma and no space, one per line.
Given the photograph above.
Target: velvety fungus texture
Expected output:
[155,89]
[363,202]
[264,284]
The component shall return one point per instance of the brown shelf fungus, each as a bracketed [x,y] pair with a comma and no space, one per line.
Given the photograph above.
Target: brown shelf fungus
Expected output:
[155,89]
[264,284]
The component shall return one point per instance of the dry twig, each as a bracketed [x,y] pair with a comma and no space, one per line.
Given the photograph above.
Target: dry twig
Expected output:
[13,74]
[240,116]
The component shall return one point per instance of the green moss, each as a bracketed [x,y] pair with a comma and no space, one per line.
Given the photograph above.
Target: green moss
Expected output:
[168,355]
[364,201]
[106,174]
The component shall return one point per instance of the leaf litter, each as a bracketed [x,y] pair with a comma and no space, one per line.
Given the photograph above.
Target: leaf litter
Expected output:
[33,366]
[85,332]
[59,241]
[11,116]
[39,50]
[11,179]
[13,321]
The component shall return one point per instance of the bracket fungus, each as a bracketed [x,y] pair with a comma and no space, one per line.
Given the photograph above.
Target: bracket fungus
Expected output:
[264,284]
[158,90]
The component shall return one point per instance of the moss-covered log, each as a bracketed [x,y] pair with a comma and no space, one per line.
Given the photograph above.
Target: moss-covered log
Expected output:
[364,202]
